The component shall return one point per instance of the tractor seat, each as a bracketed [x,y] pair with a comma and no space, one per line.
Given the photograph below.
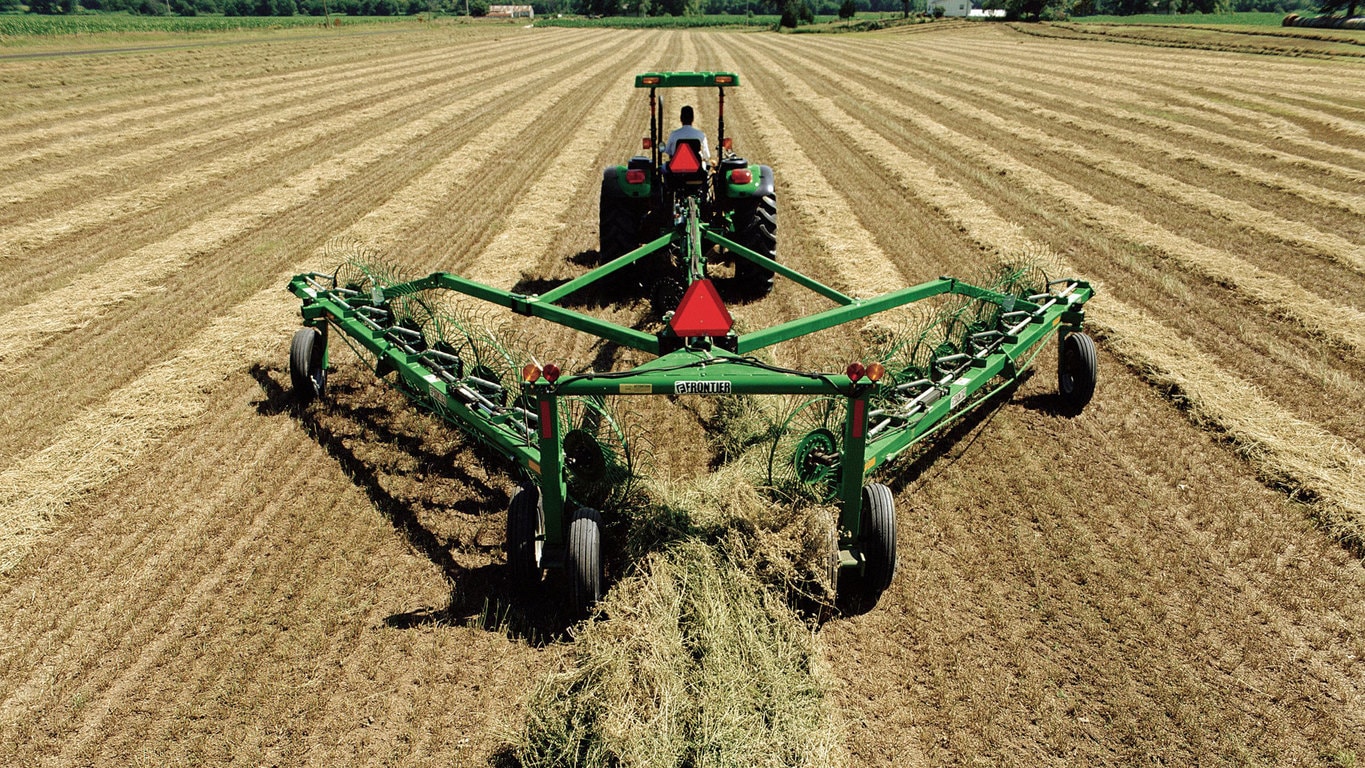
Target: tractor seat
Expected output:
[686,169]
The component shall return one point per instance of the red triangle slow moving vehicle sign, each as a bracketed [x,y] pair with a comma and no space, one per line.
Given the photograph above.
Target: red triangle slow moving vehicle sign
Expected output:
[685,160]
[701,312]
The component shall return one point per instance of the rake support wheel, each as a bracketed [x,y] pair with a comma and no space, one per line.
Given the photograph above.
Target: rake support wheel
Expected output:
[525,538]
[307,371]
[586,575]
[1077,368]
[878,539]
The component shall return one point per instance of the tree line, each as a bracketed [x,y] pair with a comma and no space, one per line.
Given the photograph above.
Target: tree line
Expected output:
[793,11]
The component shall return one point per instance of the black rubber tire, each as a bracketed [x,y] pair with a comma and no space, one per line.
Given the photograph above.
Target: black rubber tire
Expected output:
[1077,369]
[618,225]
[755,224]
[878,539]
[306,370]
[586,574]
[665,295]
[525,538]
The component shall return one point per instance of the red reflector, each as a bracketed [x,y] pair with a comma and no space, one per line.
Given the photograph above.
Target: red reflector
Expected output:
[741,176]
[547,428]
[701,312]
[635,176]
[685,160]
[648,143]
[727,143]
[855,371]
[859,414]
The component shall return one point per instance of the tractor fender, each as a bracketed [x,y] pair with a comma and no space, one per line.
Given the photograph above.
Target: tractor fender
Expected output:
[613,177]
[759,188]
[615,186]
[765,181]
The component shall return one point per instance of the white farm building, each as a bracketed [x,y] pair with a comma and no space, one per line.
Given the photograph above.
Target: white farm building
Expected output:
[950,7]
[511,11]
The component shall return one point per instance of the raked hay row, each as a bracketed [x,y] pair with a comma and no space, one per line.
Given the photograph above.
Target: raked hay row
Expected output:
[193,570]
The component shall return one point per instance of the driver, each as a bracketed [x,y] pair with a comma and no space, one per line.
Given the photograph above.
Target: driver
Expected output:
[688,131]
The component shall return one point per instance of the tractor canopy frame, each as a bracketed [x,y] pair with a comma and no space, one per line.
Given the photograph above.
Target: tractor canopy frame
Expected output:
[655,80]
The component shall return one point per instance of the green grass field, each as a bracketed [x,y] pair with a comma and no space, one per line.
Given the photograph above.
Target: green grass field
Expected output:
[673,22]
[35,25]
[1249,18]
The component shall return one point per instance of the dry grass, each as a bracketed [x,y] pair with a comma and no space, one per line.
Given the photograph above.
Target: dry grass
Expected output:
[692,662]
[206,575]
[1288,450]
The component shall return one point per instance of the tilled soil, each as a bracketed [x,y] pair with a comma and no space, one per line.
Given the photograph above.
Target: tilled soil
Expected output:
[196,570]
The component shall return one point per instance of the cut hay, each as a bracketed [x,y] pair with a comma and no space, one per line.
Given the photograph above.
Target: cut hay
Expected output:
[698,657]
[783,544]
[1309,461]
[695,664]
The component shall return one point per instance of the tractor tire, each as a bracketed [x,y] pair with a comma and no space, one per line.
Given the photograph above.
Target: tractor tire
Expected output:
[878,540]
[618,226]
[1077,369]
[306,370]
[586,574]
[525,538]
[755,228]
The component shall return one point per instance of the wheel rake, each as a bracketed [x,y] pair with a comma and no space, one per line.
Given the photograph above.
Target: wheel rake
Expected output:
[929,354]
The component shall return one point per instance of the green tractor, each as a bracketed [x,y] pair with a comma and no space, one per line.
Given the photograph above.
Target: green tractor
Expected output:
[648,197]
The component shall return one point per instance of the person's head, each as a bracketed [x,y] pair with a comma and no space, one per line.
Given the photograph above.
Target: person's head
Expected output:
[687,116]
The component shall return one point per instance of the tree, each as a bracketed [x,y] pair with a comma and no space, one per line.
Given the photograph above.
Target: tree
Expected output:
[790,14]
[1024,9]
[848,10]
[1330,7]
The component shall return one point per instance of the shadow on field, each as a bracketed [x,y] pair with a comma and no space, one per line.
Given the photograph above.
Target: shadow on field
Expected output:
[950,445]
[434,487]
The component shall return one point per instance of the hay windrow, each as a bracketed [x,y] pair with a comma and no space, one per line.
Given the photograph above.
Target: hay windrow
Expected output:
[697,657]
[1287,450]
[695,663]
[29,326]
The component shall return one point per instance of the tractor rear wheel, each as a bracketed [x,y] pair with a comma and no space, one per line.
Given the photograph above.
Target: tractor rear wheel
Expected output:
[755,228]
[525,538]
[585,560]
[879,539]
[307,372]
[618,226]
[1077,369]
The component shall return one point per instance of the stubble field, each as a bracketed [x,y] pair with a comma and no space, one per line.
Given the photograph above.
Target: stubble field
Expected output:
[195,572]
